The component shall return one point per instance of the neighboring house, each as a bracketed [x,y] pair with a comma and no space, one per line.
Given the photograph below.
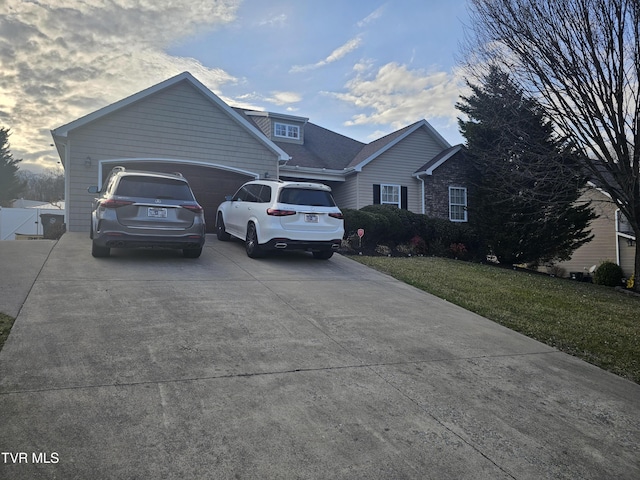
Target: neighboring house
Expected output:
[613,239]
[180,125]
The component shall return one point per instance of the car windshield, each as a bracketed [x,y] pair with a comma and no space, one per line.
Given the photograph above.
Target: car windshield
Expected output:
[306,196]
[154,187]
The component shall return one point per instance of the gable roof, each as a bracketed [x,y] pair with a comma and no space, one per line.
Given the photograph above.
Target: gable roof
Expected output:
[322,148]
[435,162]
[62,132]
[376,148]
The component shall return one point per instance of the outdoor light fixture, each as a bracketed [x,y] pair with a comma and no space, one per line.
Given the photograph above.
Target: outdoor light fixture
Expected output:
[87,161]
[630,242]
[266,174]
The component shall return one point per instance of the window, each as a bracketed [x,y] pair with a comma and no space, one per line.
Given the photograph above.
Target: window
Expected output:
[287,131]
[152,187]
[390,195]
[306,196]
[623,225]
[457,204]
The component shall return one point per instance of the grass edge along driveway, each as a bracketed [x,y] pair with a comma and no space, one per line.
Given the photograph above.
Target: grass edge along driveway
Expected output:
[597,324]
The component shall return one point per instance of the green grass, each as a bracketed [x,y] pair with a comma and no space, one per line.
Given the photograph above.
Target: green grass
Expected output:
[6,322]
[595,323]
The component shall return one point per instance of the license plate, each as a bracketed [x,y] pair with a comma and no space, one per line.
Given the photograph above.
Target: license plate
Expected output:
[311,217]
[156,212]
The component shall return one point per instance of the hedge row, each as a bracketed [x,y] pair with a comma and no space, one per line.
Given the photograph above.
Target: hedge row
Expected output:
[409,232]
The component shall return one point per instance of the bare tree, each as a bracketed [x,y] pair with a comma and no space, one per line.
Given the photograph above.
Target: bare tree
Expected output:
[47,186]
[581,59]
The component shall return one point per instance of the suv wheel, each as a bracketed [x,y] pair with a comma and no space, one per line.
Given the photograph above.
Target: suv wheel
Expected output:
[221,233]
[192,252]
[251,243]
[98,251]
[323,254]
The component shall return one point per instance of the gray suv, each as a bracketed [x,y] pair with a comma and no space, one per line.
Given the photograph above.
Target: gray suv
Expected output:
[146,209]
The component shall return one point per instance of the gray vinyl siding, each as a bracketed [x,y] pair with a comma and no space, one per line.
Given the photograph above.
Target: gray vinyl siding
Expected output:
[178,123]
[603,245]
[345,193]
[627,256]
[396,166]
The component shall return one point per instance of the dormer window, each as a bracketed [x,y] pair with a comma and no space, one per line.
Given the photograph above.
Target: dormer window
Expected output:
[287,131]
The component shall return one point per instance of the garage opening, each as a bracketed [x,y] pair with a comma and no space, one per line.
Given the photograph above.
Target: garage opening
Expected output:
[209,184]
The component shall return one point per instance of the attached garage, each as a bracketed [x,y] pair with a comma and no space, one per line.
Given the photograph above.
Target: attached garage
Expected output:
[176,126]
[210,183]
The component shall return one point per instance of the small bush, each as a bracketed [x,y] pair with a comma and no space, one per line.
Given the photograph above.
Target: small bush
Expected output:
[608,274]
[391,226]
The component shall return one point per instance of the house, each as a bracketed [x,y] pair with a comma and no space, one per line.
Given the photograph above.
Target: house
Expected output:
[613,238]
[180,125]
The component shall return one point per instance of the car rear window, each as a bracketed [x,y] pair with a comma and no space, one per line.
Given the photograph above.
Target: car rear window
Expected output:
[154,187]
[305,196]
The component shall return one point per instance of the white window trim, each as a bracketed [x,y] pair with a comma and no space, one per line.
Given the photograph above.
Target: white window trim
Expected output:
[289,129]
[398,187]
[464,205]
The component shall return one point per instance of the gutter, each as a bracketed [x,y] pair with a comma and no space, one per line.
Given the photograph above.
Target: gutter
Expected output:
[422,189]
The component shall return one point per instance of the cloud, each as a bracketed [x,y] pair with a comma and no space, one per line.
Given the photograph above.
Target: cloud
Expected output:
[397,96]
[284,98]
[372,16]
[277,98]
[275,21]
[336,55]
[62,59]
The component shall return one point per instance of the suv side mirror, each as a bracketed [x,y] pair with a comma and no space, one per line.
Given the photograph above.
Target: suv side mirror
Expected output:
[93,189]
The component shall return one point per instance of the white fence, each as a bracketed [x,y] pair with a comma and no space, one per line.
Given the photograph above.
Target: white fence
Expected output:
[16,223]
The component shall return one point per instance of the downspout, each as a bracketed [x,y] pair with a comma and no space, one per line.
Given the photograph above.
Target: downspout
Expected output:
[422,190]
[422,202]
[617,227]
[67,183]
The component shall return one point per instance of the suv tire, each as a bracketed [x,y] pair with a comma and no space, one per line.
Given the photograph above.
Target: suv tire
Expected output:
[191,252]
[98,251]
[323,254]
[251,243]
[221,233]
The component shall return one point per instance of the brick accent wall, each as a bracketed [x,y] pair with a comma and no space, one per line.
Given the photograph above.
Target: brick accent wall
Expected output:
[452,173]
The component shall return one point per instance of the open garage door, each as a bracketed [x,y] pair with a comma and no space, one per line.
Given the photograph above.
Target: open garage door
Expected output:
[209,184]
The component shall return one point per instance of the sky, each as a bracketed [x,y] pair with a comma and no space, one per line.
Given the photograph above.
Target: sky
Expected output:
[362,68]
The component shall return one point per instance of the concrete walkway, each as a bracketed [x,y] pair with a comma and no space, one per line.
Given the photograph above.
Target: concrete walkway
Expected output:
[149,365]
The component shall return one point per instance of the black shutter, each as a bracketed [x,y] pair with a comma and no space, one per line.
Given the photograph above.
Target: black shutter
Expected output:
[376,194]
[404,197]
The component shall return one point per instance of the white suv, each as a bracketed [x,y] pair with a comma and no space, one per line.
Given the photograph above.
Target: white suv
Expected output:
[274,214]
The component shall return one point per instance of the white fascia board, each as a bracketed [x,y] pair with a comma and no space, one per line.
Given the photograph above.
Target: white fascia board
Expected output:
[313,173]
[277,116]
[604,192]
[429,171]
[423,123]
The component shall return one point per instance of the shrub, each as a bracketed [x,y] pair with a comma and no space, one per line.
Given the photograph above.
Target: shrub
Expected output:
[608,274]
[375,226]
[392,226]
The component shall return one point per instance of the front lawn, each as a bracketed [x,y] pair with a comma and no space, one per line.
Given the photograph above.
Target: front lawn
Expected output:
[595,323]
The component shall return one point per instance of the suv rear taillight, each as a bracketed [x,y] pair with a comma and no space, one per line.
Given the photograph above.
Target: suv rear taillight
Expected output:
[113,203]
[193,208]
[339,216]
[275,212]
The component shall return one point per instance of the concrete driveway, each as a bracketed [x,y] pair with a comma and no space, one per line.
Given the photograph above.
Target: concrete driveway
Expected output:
[148,365]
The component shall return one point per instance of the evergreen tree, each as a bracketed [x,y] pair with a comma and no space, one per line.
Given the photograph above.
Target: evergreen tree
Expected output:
[10,184]
[527,180]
